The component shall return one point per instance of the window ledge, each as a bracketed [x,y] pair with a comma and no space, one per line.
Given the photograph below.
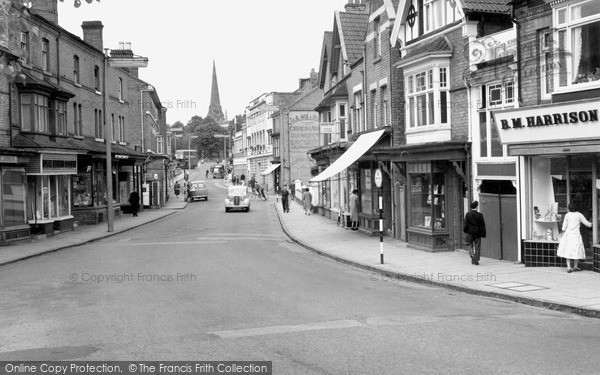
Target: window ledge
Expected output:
[580,87]
[77,84]
[47,73]
[99,140]
[428,128]
[98,92]
[123,143]
[78,136]
[121,101]
[377,59]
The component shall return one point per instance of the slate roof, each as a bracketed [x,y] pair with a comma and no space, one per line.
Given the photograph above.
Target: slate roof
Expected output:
[436,45]
[353,29]
[87,145]
[487,6]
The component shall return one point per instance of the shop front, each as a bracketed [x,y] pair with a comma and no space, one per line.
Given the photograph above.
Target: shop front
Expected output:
[13,192]
[49,192]
[558,147]
[435,178]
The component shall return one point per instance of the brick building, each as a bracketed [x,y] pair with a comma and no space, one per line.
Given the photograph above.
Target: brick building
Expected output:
[553,134]
[58,108]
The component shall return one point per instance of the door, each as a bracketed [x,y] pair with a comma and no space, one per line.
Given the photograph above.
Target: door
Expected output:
[489,206]
[508,219]
[500,213]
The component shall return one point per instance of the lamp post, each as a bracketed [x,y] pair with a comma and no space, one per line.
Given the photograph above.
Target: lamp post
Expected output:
[108,138]
[189,150]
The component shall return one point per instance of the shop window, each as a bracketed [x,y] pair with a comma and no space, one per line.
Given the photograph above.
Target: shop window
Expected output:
[428,201]
[13,197]
[366,188]
[578,35]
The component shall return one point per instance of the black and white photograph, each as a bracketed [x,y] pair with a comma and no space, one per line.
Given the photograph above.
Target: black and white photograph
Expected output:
[299,187]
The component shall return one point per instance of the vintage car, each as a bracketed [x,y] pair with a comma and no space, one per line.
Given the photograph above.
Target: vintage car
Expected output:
[218,171]
[198,190]
[237,199]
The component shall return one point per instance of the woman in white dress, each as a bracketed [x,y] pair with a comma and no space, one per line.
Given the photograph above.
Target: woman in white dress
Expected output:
[571,244]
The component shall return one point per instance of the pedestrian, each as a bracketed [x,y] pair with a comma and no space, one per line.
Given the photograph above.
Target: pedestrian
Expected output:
[260,190]
[307,201]
[252,181]
[177,189]
[474,227]
[134,201]
[242,179]
[285,195]
[354,209]
[571,246]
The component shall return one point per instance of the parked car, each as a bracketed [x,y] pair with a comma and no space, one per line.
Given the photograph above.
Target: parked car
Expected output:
[218,171]
[198,190]
[237,199]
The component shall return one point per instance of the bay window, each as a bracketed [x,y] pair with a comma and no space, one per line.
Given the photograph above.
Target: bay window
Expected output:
[427,97]
[42,114]
[577,36]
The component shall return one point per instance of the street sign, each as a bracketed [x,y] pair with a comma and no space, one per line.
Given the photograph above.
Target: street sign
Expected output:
[378,177]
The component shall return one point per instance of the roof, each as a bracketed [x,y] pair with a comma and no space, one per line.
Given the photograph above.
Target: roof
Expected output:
[440,44]
[87,145]
[31,81]
[487,6]
[353,30]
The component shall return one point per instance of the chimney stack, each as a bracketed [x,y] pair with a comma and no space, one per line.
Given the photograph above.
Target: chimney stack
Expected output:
[47,9]
[355,6]
[125,52]
[92,33]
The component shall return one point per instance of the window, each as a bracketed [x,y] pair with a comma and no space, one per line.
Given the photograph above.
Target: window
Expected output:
[35,112]
[546,68]
[46,55]
[425,16]
[120,88]
[342,121]
[427,200]
[76,71]
[113,127]
[26,115]
[358,112]
[493,97]
[377,37]
[13,197]
[98,123]
[578,37]
[97,78]
[374,106]
[121,129]
[160,144]
[61,118]
[26,53]
[427,98]
[384,106]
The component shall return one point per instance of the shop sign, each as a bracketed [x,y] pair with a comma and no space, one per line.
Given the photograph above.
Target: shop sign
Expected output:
[327,127]
[60,164]
[575,120]
[8,159]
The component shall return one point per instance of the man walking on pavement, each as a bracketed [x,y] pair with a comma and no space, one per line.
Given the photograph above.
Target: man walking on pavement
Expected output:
[474,227]
[285,194]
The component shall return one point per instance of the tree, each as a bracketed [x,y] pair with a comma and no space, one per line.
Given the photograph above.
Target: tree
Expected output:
[206,143]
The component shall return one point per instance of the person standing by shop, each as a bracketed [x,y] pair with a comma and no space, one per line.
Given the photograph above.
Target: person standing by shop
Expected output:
[474,227]
[571,246]
[354,209]
[134,201]
[285,195]
[307,201]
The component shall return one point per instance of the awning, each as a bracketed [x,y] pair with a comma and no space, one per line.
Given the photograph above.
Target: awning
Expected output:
[271,168]
[358,149]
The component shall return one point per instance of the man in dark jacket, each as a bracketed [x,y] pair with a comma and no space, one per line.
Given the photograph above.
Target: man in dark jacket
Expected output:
[474,227]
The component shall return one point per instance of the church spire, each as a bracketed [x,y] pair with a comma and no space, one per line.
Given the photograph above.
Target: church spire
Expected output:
[214,110]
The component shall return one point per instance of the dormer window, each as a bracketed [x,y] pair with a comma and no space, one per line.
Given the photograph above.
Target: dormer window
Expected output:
[425,16]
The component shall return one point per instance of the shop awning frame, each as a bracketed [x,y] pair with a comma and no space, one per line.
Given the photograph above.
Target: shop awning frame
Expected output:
[358,149]
[270,169]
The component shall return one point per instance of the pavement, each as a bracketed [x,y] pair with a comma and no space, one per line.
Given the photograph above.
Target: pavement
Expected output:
[547,287]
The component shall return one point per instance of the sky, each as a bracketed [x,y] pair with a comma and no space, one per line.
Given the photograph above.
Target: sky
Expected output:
[258,46]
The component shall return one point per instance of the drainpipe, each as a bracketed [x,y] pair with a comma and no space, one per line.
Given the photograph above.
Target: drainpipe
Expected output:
[518,32]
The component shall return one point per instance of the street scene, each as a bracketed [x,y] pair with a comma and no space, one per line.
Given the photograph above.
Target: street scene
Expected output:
[343,187]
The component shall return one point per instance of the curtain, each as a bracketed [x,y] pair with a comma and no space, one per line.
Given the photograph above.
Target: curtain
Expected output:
[576,44]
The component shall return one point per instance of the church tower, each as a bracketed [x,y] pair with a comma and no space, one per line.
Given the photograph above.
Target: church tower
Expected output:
[214,110]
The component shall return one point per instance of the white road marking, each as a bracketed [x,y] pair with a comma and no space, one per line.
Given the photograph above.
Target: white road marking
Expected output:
[171,243]
[273,330]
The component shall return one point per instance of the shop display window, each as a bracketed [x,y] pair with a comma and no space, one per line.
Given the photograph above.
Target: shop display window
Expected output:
[82,189]
[13,197]
[366,191]
[428,201]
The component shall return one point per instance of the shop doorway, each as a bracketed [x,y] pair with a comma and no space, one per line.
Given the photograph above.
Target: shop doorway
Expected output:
[580,194]
[498,204]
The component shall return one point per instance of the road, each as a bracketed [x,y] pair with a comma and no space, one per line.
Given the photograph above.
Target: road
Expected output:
[208,285]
